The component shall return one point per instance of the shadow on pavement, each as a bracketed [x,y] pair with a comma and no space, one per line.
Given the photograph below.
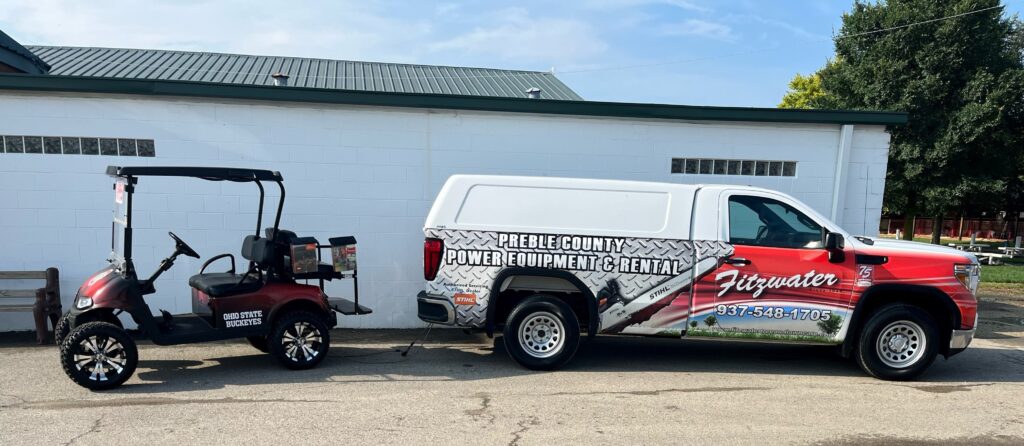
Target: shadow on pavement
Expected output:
[456,357]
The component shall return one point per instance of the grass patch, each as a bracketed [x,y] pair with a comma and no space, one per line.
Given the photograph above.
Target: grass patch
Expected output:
[1002,274]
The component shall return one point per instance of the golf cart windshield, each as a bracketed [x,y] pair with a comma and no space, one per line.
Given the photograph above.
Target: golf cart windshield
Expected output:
[120,222]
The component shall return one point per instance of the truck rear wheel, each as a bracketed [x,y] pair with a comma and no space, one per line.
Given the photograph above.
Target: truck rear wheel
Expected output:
[99,355]
[898,343]
[542,333]
[300,340]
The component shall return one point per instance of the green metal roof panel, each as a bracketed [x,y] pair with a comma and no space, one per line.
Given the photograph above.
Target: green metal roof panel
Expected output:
[240,69]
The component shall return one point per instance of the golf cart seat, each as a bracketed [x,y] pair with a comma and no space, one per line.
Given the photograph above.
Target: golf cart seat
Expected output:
[259,251]
[224,284]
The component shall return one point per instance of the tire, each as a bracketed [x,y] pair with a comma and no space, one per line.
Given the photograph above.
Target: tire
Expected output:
[99,356]
[898,343]
[60,331]
[284,343]
[258,342]
[542,333]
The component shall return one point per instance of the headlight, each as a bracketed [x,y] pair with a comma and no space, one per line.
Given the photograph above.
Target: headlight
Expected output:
[969,275]
[83,302]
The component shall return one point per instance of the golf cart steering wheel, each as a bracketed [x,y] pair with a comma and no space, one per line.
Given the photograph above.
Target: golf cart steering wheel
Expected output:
[182,246]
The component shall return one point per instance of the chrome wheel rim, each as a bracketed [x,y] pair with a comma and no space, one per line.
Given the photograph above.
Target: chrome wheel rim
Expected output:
[901,344]
[542,335]
[301,342]
[102,357]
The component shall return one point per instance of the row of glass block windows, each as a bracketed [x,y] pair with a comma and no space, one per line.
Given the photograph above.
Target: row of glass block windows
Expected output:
[761,168]
[75,145]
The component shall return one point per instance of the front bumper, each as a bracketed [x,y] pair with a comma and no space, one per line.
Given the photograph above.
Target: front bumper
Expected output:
[960,339]
[435,309]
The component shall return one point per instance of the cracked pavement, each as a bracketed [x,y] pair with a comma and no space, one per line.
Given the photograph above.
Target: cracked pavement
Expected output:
[460,389]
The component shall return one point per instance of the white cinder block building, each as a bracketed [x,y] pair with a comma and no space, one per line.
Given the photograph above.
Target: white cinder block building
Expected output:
[363,148]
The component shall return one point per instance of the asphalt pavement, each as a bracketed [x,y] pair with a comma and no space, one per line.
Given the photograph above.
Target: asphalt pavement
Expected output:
[462,389]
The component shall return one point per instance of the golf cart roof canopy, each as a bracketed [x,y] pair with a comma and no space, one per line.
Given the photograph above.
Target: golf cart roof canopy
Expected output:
[206,173]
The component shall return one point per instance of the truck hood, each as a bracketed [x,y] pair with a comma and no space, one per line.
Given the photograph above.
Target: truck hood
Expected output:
[909,247]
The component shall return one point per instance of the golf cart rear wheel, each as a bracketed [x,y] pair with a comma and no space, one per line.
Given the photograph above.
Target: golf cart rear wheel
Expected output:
[258,342]
[99,355]
[897,343]
[542,333]
[300,340]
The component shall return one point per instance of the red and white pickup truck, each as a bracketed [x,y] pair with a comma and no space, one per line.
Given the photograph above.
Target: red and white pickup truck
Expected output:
[544,260]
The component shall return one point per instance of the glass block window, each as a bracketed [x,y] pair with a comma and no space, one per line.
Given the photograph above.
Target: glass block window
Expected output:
[704,166]
[76,145]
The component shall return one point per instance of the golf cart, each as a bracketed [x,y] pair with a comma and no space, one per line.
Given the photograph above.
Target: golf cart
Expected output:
[271,302]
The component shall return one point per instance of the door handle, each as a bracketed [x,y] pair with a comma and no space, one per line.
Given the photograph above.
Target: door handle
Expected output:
[736,261]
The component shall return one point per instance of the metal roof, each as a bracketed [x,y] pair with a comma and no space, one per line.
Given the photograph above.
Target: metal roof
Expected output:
[19,58]
[237,69]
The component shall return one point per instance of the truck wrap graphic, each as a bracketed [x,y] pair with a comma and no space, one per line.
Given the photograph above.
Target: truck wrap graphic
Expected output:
[632,278]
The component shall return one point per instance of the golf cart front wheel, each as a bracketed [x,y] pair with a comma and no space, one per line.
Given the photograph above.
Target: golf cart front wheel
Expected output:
[99,355]
[60,331]
[542,333]
[300,340]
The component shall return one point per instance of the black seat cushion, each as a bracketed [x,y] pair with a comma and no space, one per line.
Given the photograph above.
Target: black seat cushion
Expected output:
[258,250]
[224,284]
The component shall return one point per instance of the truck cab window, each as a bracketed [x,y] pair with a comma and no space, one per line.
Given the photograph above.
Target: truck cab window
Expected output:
[763,221]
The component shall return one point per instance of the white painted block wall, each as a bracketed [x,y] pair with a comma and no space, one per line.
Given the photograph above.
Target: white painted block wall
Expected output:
[368,172]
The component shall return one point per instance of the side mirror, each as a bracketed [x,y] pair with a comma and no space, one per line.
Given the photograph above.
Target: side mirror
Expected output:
[834,244]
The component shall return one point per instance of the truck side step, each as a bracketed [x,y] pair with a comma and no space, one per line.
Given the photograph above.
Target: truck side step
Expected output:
[347,307]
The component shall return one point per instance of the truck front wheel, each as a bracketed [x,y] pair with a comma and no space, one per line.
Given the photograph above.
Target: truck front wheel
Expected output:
[542,333]
[898,343]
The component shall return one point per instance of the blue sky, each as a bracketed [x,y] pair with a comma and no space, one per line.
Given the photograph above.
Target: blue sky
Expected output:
[700,52]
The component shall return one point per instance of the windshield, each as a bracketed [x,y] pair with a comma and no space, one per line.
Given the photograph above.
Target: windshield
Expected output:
[120,222]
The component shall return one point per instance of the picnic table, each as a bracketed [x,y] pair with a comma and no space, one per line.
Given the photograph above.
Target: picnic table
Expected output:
[1011,250]
[968,246]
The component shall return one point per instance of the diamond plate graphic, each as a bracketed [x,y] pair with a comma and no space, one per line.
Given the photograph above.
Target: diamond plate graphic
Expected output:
[453,279]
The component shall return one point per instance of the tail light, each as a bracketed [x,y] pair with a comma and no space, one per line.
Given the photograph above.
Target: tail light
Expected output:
[432,250]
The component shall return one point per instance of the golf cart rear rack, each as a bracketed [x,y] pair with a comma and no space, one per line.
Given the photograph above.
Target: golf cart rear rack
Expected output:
[306,258]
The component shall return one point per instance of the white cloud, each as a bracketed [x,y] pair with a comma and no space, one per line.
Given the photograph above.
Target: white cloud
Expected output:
[517,36]
[688,5]
[349,29]
[700,28]
[791,28]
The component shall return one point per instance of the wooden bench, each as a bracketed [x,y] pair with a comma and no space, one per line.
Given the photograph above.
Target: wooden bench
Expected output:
[47,299]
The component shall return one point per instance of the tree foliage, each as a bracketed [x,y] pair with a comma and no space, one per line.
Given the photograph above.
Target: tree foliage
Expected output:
[710,321]
[804,92]
[831,325]
[960,79]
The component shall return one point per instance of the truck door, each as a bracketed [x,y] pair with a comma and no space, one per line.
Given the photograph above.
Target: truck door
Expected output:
[779,283]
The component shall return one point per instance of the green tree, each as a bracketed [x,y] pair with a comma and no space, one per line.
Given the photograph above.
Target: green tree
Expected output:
[693,324]
[710,321]
[804,92]
[831,325]
[961,79]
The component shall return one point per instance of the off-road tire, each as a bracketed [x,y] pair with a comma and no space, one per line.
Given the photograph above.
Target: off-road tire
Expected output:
[542,333]
[284,336]
[123,354]
[917,341]
[60,331]
[258,342]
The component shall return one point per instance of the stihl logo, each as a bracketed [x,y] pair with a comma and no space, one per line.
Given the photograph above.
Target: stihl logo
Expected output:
[754,283]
